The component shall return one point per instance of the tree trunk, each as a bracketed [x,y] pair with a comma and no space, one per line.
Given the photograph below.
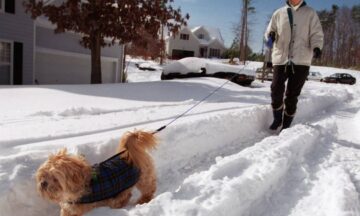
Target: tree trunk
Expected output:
[242,55]
[162,50]
[96,60]
[242,33]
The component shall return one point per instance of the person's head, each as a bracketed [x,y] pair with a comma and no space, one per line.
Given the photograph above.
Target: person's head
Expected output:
[295,2]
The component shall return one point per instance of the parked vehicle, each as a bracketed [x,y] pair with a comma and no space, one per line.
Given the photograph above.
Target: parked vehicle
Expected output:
[343,78]
[268,75]
[198,67]
[315,76]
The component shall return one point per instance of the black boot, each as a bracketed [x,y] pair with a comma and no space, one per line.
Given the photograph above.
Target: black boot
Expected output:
[287,121]
[278,118]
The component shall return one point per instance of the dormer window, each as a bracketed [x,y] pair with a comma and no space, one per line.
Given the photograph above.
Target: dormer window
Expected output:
[201,36]
[184,37]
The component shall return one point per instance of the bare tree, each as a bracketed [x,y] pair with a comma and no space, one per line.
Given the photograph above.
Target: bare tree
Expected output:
[342,36]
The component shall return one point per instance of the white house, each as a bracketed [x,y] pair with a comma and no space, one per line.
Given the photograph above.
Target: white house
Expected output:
[201,41]
[31,53]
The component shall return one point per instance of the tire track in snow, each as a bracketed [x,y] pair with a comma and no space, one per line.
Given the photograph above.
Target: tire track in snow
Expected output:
[299,180]
[333,193]
[237,182]
[326,181]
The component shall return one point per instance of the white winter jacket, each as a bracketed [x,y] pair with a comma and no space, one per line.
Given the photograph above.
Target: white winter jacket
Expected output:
[296,46]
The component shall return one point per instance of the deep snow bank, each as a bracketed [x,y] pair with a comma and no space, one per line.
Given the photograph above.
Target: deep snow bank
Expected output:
[232,120]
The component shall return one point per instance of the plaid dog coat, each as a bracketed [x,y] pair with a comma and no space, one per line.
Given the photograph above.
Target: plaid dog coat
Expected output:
[110,178]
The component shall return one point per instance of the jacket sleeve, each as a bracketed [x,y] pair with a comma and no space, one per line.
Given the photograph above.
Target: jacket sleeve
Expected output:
[316,32]
[272,26]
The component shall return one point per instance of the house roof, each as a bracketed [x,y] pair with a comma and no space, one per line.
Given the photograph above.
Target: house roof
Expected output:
[214,33]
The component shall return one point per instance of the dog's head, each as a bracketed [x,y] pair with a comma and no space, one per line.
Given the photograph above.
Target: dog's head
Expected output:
[63,177]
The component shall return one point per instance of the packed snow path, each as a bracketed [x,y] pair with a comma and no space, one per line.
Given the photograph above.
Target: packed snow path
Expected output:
[218,160]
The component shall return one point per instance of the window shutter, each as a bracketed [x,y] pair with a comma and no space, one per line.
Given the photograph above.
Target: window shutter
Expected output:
[18,63]
[10,6]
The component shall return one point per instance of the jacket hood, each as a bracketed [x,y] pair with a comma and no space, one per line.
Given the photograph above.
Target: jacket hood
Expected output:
[302,5]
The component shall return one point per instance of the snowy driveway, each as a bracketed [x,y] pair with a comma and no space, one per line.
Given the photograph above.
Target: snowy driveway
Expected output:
[217,160]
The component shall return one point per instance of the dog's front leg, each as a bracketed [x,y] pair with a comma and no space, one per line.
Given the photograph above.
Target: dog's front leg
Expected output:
[66,212]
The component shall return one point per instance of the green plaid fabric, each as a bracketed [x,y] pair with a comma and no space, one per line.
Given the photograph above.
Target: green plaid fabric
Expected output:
[110,178]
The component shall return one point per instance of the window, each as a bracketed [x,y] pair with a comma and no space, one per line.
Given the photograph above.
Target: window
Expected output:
[2,5]
[201,36]
[6,62]
[7,6]
[184,37]
[214,53]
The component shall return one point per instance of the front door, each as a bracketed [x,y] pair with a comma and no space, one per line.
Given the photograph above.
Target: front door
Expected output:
[203,52]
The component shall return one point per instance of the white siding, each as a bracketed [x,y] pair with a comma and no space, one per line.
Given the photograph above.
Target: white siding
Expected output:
[194,43]
[54,68]
[19,27]
[189,45]
[217,45]
[70,42]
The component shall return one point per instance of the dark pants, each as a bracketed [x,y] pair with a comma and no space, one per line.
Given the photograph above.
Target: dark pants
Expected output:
[296,76]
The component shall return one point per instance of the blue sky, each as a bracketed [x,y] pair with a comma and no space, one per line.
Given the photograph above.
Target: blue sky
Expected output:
[223,14]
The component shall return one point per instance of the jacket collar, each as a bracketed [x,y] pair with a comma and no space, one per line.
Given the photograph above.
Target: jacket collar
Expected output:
[302,4]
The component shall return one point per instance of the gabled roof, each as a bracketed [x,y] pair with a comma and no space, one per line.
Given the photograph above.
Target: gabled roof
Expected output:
[214,33]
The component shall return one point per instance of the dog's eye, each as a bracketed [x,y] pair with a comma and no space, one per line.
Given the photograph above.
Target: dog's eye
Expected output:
[44,184]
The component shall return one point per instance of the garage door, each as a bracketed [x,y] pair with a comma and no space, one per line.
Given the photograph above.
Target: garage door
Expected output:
[59,69]
[179,54]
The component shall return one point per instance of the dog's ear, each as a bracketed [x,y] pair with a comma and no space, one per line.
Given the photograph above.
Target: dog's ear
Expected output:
[73,173]
[62,151]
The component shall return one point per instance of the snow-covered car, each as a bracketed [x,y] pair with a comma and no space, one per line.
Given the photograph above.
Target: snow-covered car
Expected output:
[342,78]
[198,67]
[315,76]
[146,66]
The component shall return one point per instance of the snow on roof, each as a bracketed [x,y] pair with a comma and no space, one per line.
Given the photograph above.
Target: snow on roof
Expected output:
[204,42]
[194,65]
[214,33]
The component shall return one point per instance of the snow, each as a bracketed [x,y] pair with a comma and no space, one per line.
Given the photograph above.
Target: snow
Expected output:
[195,65]
[219,159]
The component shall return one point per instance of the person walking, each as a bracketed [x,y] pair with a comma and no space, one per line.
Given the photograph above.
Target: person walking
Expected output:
[295,36]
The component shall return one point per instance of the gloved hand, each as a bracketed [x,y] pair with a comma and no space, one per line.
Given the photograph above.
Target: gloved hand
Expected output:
[272,36]
[271,39]
[317,53]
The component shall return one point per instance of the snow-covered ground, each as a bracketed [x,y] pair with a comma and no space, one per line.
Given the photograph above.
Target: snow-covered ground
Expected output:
[217,160]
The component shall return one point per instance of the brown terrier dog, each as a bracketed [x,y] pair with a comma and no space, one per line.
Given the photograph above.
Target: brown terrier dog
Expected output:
[79,187]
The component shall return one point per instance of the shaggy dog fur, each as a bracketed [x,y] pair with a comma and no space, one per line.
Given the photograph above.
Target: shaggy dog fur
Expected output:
[65,178]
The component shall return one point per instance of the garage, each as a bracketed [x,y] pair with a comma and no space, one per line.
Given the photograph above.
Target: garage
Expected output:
[52,68]
[179,54]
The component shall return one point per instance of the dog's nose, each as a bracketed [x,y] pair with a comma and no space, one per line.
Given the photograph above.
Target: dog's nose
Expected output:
[44,184]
